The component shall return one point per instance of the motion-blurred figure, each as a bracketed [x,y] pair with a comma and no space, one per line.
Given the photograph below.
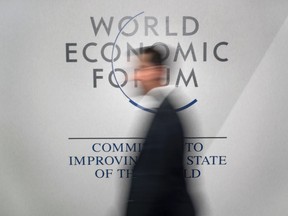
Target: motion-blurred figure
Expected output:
[158,186]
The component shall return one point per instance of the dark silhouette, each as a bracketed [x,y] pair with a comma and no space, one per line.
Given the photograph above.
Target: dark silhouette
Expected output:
[158,186]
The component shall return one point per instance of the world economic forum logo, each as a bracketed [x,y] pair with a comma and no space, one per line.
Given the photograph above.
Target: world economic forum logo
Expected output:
[117,41]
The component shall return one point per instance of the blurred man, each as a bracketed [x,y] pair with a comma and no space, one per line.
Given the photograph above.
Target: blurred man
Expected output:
[158,186]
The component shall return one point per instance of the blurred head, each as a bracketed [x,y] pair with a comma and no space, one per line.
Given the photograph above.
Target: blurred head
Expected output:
[150,68]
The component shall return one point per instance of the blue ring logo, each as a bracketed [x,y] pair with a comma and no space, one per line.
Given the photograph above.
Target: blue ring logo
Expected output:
[114,74]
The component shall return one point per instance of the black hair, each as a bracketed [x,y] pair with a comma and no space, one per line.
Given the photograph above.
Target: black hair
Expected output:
[156,56]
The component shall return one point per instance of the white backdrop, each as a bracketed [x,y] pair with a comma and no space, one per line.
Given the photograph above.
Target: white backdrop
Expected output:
[46,100]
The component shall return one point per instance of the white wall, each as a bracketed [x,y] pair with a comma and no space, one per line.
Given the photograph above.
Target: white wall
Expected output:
[46,100]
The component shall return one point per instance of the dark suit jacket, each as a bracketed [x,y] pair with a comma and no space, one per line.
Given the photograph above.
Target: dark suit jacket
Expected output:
[158,186]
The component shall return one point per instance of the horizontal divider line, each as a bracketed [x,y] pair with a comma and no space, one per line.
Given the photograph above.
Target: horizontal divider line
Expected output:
[87,138]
